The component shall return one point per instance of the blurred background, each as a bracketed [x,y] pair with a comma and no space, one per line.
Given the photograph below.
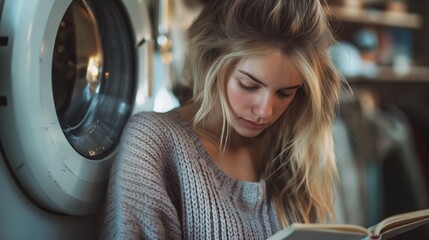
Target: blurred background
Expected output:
[382,129]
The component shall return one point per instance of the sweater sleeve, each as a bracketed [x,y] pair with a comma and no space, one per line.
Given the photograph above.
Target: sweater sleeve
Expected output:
[138,204]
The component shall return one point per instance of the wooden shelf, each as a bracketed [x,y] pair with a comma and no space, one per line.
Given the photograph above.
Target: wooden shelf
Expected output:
[387,74]
[376,17]
[420,74]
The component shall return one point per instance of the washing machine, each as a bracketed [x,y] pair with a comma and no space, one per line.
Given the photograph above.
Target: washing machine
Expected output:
[71,73]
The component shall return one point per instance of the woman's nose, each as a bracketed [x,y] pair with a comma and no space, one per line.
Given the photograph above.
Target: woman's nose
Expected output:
[264,106]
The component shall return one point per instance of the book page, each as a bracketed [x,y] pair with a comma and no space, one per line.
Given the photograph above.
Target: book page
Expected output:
[338,227]
[321,232]
[402,222]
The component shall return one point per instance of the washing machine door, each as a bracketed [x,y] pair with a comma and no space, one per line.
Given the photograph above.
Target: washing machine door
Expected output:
[74,73]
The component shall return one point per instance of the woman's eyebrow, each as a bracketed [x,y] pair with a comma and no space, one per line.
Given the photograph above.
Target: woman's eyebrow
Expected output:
[263,84]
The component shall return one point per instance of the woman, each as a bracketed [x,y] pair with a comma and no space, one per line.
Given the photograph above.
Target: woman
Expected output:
[251,152]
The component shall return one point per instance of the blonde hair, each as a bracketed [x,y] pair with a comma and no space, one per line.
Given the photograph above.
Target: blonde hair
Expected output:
[300,170]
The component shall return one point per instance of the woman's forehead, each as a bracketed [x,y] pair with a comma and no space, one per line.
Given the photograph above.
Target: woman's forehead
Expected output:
[270,66]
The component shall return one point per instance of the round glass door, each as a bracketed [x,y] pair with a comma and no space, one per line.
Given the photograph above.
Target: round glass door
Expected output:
[74,72]
[93,76]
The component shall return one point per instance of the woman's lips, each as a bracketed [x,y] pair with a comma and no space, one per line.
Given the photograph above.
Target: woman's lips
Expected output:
[253,125]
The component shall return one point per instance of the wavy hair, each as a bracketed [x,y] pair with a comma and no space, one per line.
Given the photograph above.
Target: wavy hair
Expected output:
[300,170]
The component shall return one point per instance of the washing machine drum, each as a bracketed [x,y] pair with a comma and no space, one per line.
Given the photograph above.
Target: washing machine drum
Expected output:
[92,78]
[75,76]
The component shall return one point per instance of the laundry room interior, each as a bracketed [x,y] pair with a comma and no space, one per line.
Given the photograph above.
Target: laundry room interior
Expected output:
[59,134]
[385,121]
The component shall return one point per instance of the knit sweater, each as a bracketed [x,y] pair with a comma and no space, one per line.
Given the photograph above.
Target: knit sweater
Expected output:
[164,185]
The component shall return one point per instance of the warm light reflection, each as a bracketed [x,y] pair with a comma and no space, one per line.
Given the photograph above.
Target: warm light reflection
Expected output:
[93,70]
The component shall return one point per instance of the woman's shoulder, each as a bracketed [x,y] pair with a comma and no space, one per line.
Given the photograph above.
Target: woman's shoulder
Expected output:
[161,122]
[155,118]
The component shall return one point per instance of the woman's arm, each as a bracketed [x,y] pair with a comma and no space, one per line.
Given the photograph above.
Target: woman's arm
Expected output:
[138,206]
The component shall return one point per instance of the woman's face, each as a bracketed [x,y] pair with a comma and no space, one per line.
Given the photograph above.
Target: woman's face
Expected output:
[259,89]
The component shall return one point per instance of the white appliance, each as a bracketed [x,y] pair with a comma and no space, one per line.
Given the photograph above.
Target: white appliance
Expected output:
[71,74]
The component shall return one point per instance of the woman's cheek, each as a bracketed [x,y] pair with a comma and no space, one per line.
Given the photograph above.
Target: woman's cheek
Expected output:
[238,98]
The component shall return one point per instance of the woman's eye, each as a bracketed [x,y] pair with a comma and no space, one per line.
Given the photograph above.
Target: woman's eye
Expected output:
[247,87]
[285,94]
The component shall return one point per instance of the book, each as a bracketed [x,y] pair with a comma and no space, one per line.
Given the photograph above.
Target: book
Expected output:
[385,229]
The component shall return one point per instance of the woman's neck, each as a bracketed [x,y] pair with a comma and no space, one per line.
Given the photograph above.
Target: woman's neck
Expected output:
[242,158]
[211,128]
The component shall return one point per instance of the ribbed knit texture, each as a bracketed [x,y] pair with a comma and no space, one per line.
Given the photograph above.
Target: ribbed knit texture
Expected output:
[164,185]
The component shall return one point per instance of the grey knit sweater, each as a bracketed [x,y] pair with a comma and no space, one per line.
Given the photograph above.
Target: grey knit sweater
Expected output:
[164,185]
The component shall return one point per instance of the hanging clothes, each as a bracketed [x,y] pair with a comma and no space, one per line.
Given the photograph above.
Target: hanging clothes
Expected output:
[374,147]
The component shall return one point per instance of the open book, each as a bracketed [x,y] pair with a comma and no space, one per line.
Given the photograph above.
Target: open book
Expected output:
[385,229]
